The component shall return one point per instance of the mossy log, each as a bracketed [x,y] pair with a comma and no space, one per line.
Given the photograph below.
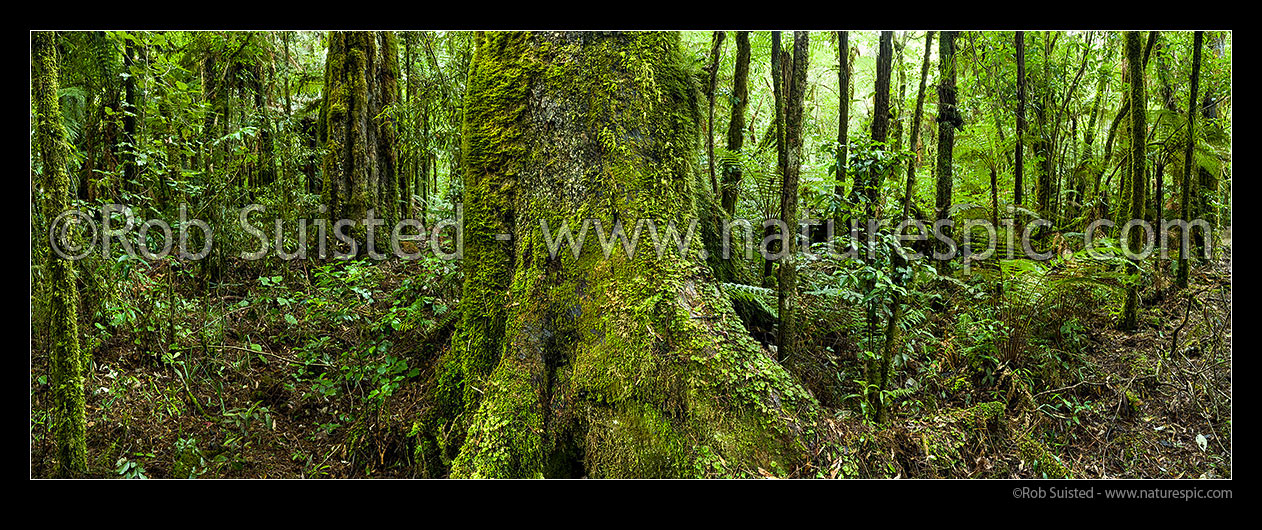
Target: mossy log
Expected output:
[594,365]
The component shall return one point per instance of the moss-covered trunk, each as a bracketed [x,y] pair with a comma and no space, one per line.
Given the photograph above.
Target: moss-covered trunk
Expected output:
[361,151]
[64,360]
[1133,198]
[619,366]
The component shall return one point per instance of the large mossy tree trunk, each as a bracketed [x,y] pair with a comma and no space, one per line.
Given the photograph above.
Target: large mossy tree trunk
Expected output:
[360,141]
[587,365]
[65,361]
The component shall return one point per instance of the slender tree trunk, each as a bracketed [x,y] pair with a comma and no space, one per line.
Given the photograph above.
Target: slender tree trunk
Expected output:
[1089,134]
[1057,208]
[736,127]
[1043,149]
[870,193]
[214,96]
[65,361]
[130,173]
[788,298]
[896,107]
[778,80]
[915,125]
[1206,183]
[1136,199]
[716,48]
[1122,114]
[428,174]
[1017,194]
[949,119]
[843,118]
[994,197]
[1186,185]
[880,119]
[897,262]
[266,145]
[287,163]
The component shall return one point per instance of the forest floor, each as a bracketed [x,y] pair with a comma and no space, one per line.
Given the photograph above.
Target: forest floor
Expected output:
[1124,405]
[320,372]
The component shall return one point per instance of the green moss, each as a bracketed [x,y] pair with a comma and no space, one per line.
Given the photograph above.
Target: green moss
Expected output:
[942,439]
[980,414]
[491,144]
[941,446]
[635,440]
[1036,454]
[506,435]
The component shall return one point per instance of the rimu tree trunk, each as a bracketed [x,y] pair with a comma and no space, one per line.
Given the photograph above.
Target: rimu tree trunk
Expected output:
[568,363]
